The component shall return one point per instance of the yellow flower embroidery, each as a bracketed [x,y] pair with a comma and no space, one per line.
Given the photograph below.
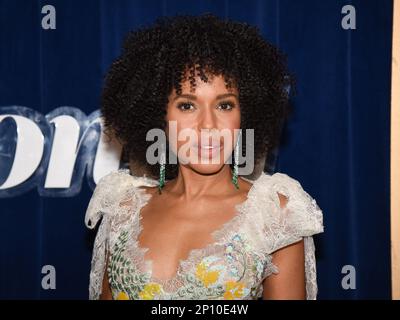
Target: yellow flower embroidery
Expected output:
[233,290]
[122,296]
[149,291]
[207,277]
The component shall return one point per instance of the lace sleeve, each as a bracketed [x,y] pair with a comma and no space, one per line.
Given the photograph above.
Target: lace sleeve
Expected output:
[298,219]
[110,202]
[101,206]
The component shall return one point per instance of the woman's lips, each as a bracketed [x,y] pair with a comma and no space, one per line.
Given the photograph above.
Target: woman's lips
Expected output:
[208,150]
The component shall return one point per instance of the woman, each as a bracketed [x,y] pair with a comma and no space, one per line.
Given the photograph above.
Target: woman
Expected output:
[196,229]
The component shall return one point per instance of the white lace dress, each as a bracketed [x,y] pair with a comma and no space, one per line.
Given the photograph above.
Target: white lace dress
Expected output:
[233,266]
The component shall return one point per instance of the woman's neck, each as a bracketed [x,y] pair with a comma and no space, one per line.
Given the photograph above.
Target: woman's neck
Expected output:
[191,184]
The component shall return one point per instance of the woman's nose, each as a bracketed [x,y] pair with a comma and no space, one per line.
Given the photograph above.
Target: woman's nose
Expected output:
[208,120]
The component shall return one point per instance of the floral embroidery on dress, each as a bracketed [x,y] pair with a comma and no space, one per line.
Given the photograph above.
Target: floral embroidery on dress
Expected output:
[122,296]
[208,277]
[149,291]
[234,290]
[232,267]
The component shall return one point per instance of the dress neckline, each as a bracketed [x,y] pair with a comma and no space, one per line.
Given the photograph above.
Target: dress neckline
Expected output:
[219,235]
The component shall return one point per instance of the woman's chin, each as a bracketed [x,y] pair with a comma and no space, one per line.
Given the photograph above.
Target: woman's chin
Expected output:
[207,169]
[206,164]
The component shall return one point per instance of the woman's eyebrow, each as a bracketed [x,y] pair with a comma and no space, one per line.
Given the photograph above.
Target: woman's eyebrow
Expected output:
[188,96]
[193,97]
[225,95]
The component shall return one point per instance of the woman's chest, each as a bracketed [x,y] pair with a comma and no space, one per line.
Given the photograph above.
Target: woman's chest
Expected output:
[230,268]
[170,236]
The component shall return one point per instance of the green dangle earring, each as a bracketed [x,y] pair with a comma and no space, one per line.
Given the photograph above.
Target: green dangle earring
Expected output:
[235,170]
[161,180]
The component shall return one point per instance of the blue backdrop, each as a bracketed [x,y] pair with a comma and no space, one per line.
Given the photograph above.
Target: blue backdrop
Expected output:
[336,145]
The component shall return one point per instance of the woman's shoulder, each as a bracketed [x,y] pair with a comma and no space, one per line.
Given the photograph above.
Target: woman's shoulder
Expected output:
[279,185]
[112,191]
[287,211]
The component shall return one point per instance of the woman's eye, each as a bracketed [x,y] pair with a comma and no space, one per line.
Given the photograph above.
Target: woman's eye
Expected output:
[186,107]
[226,106]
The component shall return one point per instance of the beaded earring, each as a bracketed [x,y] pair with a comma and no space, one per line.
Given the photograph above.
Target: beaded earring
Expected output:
[161,180]
[236,163]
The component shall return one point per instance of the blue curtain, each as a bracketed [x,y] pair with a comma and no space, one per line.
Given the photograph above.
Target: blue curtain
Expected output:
[336,144]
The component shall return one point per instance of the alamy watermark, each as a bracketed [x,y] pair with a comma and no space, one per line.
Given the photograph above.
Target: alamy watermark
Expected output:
[49,278]
[212,146]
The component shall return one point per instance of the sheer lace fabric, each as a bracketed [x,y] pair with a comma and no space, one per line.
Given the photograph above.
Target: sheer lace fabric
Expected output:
[233,266]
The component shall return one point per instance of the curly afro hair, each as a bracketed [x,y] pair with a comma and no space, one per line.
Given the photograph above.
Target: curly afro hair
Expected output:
[154,61]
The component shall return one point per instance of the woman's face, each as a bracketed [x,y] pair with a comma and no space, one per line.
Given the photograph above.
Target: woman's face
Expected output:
[205,120]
